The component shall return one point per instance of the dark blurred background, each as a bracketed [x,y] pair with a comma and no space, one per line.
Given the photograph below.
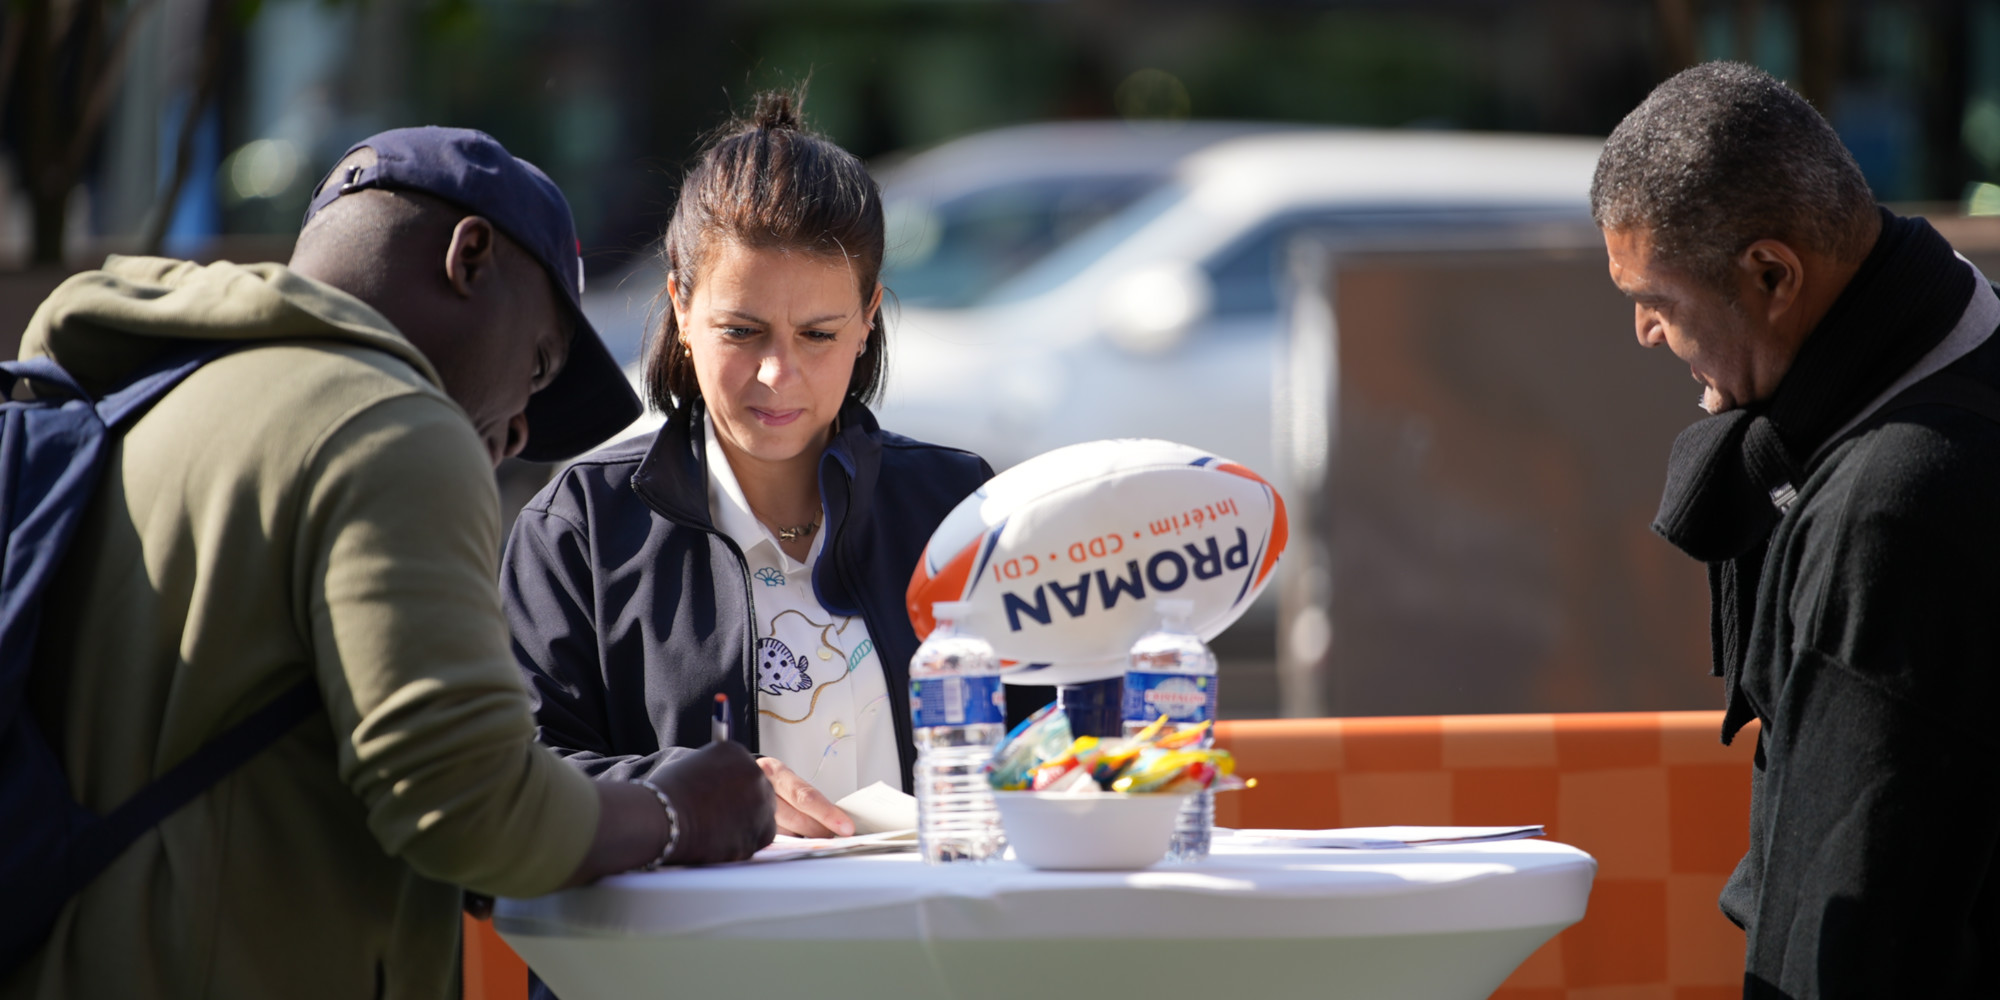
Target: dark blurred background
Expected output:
[1467,538]
[175,123]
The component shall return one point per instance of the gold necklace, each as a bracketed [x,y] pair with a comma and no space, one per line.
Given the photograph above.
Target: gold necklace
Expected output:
[801,531]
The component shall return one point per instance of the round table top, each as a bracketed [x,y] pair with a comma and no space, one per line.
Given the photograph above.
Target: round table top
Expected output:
[1239,891]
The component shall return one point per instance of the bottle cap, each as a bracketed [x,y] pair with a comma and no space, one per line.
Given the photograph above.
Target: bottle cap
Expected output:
[951,611]
[1173,609]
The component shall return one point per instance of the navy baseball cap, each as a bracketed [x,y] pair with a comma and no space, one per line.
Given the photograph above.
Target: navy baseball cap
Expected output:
[589,401]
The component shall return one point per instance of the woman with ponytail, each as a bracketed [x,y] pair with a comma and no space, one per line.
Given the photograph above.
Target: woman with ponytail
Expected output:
[760,543]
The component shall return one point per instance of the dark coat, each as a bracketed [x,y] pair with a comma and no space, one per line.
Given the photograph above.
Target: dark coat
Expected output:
[630,611]
[1855,590]
[1874,666]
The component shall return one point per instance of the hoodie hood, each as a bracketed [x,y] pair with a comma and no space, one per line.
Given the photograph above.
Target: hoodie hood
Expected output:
[103,324]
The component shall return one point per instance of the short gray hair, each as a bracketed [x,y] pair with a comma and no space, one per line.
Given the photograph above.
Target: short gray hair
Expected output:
[1723,155]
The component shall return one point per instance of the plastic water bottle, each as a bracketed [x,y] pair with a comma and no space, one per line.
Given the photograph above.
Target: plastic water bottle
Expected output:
[1172,673]
[958,715]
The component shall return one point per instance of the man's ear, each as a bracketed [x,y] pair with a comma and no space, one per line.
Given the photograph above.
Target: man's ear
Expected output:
[469,258]
[1773,274]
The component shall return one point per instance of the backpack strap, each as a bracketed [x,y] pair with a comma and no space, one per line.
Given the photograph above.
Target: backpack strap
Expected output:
[131,399]
[52,450]
[101,843]
[1941,388]
[1949,388]
[41,370]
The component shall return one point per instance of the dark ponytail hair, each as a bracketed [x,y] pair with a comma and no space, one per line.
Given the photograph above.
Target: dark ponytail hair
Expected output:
[768,183]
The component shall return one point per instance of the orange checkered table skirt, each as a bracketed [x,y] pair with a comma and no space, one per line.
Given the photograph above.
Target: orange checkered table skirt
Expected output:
[1653,796]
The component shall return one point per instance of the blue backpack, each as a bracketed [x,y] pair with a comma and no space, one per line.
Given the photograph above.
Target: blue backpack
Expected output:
[53,449]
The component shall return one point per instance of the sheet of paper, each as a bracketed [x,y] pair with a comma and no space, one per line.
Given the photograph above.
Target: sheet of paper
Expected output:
[793,848]
[880,809]
[1377,838]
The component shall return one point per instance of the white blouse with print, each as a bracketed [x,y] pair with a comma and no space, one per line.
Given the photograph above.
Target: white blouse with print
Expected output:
[822,699]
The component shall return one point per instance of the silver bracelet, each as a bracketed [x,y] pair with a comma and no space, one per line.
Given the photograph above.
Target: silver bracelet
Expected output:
[673,825]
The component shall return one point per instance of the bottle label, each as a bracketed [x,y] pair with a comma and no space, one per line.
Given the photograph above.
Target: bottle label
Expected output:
[955,700]
[1185,699]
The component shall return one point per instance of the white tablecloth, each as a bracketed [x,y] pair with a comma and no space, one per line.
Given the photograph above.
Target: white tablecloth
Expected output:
[1431,922]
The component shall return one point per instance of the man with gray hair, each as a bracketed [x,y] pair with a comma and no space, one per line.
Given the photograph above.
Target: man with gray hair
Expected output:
[1843,493]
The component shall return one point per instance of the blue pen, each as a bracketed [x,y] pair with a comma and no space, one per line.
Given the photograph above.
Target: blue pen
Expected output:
[718,729]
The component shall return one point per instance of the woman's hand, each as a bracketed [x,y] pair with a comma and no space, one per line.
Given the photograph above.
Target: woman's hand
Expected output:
[802,810]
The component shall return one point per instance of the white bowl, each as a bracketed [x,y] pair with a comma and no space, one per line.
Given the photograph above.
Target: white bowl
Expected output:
[1107,831]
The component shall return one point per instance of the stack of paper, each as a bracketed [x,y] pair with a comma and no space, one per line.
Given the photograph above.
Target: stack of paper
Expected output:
[1375,838]
[885,819]
[880,809]
[793,848]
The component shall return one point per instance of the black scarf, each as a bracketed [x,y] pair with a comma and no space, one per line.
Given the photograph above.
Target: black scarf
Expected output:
[1731,475]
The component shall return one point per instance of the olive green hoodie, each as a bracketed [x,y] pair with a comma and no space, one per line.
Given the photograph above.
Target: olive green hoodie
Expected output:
[311,506]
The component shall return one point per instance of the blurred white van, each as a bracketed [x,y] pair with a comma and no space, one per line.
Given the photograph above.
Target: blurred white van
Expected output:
[1165,319]
[968,214]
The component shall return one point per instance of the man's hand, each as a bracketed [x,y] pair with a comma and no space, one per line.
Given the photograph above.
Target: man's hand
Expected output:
[802,810]
[724,803]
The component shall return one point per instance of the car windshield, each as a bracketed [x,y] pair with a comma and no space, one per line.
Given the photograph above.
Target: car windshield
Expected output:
[950,254]
[1072,257]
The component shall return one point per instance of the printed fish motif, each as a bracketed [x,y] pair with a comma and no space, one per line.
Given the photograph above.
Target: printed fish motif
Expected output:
[778,670]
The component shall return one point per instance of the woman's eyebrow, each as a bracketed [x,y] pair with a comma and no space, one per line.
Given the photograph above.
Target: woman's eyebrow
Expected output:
[828,318]
[740,315]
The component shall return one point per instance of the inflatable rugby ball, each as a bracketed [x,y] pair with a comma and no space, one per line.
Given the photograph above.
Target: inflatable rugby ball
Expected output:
[1063,555]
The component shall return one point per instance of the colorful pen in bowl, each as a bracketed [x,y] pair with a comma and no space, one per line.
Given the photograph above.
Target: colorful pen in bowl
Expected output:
[718,728]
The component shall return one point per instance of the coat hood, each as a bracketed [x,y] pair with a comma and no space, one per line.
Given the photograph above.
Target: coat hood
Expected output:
[103,324]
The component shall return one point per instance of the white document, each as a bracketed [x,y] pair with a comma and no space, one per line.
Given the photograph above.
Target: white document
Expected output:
[880,809]
[793,848]
[884,820]
[1376,838]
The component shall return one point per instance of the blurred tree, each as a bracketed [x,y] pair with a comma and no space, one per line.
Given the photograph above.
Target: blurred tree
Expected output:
[1679,48]
[216,22]
[613,96]
[1820,27]
[62,65]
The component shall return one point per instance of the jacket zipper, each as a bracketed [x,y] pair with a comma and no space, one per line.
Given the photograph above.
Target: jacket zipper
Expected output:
[749,739]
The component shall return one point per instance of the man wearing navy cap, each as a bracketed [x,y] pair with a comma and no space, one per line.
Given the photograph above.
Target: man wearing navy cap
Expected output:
[319,503]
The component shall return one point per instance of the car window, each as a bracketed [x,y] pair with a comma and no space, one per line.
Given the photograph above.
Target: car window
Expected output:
[1247,277]
[1085,249]
[950,254]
